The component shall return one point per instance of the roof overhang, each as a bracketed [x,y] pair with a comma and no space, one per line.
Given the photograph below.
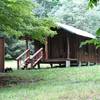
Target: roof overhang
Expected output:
[76,31]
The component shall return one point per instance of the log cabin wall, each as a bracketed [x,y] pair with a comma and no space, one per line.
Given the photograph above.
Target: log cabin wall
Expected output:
[57,46]
[73,41]
[98,56]
[86,53]
[37,46]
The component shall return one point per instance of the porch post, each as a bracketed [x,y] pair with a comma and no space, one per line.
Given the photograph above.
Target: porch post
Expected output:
[27,44]
[68,48]
[46,49]
[68,53]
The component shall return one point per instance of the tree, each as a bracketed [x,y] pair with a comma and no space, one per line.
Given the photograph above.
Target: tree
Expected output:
[76,13]
[93,3]
[17,19]
[95,41]
[45,6]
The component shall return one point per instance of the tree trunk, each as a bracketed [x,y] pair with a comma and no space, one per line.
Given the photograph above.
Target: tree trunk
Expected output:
[2,54]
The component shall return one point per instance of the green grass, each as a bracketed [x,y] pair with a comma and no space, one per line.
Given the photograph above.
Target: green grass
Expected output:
[81,83]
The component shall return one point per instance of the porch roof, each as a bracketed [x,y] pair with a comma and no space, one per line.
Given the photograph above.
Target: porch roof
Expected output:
[75,30]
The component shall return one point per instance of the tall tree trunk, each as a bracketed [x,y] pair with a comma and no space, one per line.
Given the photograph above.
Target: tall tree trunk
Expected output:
[2,54]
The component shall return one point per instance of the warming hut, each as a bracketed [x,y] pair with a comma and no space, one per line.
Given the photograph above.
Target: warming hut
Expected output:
[65,47]
[2,53]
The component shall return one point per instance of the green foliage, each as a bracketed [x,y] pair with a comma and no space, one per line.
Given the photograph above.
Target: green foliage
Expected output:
[17,19]
[44,7]
[75,13]
[93,3]
[15,15]
[43,30]
[69,12]
[13,47]
[95,41]
[98,32]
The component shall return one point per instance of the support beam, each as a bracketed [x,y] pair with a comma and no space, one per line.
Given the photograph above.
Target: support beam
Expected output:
[39,65]
[68,53]
[51,64]
[67,63]
[27,44]
[46,49]
[68,48]
[79,64]
[88,63]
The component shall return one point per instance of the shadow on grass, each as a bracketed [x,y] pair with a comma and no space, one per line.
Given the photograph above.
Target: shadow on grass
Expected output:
[9,81]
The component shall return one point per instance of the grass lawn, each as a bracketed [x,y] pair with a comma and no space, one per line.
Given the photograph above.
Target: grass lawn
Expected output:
[81,83]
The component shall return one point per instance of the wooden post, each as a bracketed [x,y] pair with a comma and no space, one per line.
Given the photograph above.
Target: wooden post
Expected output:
[79,64]
[2,54]
[27,44]
[18,64]
[39,65]
[68,48]
[31,63]
[67,63]
[51,64]
[68,53]
[28,53]
[46,49]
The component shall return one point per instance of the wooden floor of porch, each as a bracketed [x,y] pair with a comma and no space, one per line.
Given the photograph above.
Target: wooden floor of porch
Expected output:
[60,61]
[57,60]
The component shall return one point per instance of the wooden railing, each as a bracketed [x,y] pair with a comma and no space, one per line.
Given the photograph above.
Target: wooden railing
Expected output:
[36,57]
[23,58]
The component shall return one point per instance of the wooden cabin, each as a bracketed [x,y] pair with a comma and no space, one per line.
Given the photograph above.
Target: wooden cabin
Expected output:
[64,48]
[2,53]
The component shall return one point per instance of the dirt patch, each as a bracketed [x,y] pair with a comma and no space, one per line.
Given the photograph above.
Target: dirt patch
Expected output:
[8,81]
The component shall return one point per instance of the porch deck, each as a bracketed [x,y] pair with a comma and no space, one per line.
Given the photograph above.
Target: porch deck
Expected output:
[60,61]
[57,60]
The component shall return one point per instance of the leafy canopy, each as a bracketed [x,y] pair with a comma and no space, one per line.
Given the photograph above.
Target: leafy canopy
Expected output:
[17,19]
[93,3]
[95,41]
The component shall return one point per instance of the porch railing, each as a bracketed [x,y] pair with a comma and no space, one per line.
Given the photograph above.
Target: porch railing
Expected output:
[21,60]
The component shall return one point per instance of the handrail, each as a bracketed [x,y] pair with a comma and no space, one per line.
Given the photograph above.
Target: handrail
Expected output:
[36,53]
[20,57]
[36,57]
[27,59]
[33,60]
[22,54]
